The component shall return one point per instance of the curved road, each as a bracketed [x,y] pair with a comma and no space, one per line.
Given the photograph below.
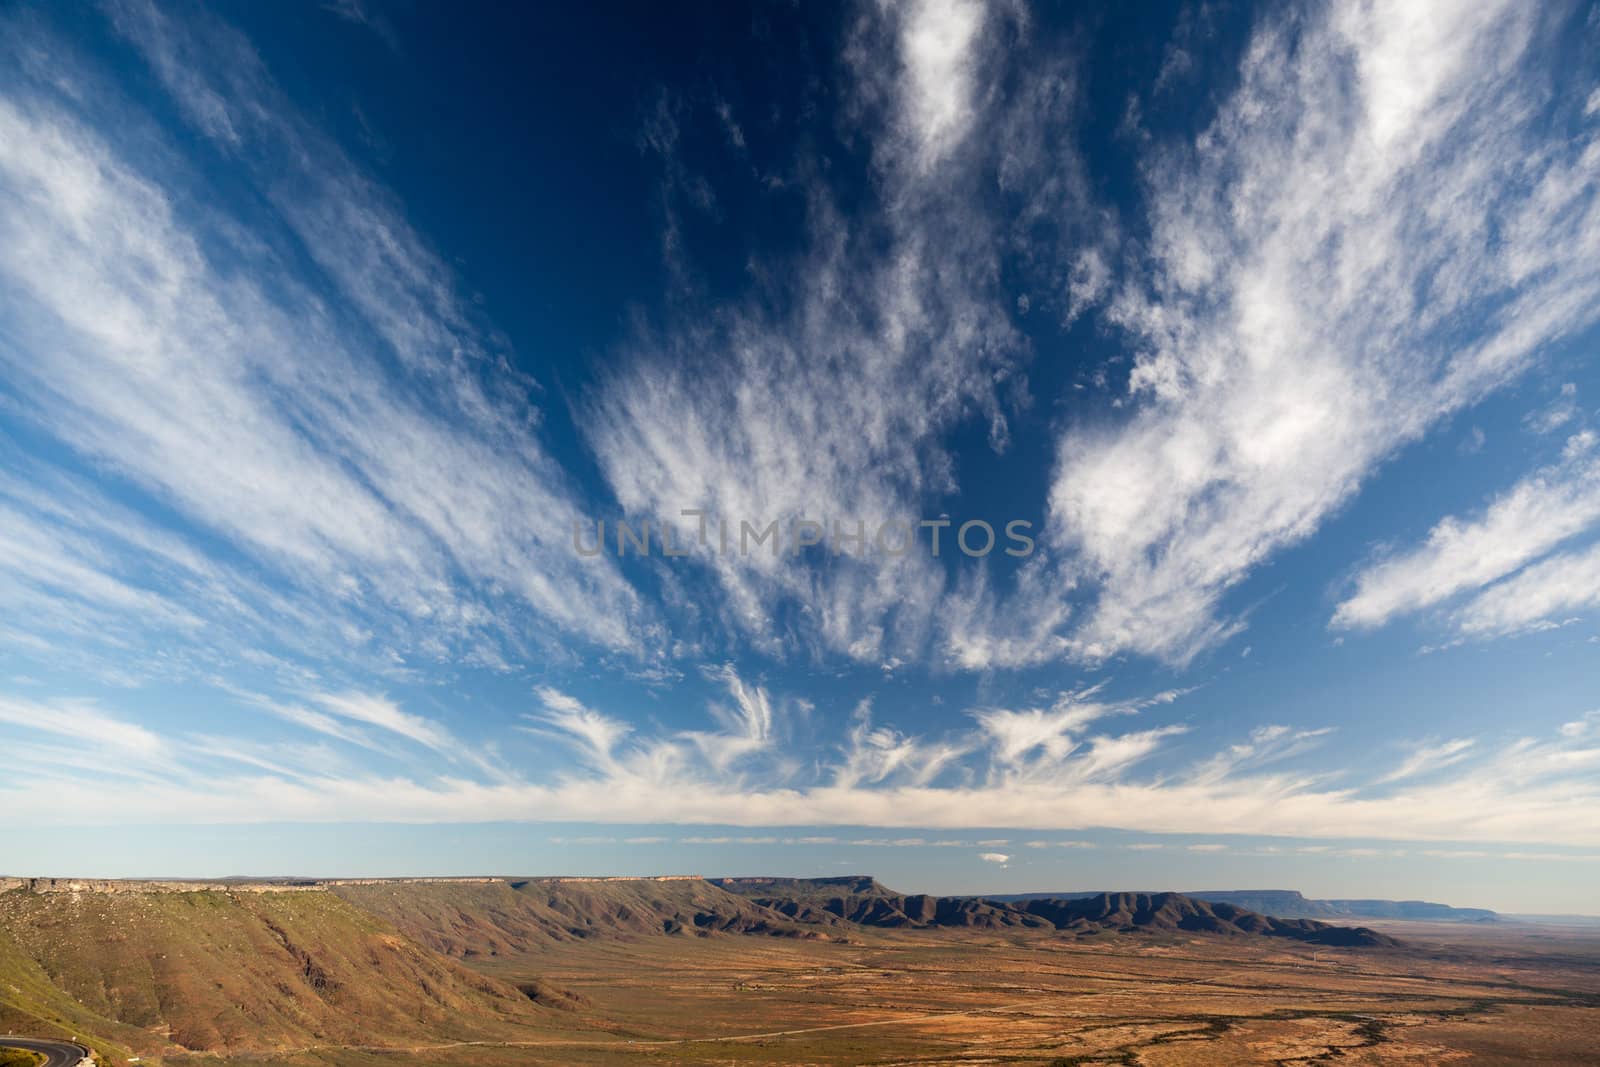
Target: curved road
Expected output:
[56,1053]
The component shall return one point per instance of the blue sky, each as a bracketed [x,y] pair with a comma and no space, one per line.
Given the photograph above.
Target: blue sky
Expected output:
[325,329]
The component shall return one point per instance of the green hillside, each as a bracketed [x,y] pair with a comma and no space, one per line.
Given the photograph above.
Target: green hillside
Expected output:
[217,971]
[501,918]
[30,1003]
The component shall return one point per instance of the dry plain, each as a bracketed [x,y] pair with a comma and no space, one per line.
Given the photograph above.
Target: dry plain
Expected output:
[501,972]
[1498,994]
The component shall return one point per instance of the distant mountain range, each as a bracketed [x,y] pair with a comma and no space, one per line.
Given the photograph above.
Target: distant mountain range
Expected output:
[861,900]
[503,917]
[1290,904]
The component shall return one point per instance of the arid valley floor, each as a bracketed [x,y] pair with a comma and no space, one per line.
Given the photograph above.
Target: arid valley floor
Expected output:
[503,972]
[968,998]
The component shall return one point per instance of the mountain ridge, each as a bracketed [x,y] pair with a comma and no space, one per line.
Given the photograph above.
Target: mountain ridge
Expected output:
[1278,903]
[1292,904]
[864,901]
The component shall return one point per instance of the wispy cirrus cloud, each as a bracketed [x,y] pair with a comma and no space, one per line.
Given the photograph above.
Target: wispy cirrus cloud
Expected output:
[1531,789]
[596,735]
[358,431]
[1429,757]
[81,722]
[351,432]
[269,432]
[1548,507]
[1542,596]
[827,396]
[1320,288]
[1042,735]
[937,40]
[876,753]
[744,738]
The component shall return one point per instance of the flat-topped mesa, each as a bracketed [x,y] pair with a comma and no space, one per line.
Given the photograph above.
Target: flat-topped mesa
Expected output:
[154,885]
[614,878]
[295,885]
[195,885]
[464,879]
[834,883]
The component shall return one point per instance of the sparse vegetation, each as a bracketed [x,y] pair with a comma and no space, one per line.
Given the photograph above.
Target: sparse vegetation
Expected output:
[217,971]
[586,973]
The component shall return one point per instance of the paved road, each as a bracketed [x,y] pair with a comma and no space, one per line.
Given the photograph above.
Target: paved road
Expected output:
[57,1053]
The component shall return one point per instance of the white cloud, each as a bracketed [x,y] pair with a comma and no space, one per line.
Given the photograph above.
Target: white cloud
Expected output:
[352,465]
[876,754]
[1427,758]
[596,735]
[383,713]
[1266,744]
[1047,736]
[1557,414]
[936,46]
[827,396]
[1322,289]
[1534,790]
[614,749]
[1539,597]
[995,857]
[399,482]
[748,727]
[322,723]
[93,584]
[1109,757]
[1320,292]
[1581,727]
[1541,511]
[81,723]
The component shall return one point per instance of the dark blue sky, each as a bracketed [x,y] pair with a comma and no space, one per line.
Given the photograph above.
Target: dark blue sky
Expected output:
[325,326]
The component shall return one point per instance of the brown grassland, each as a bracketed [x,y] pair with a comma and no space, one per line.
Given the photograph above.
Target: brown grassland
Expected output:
[507,973]
[1483,995]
